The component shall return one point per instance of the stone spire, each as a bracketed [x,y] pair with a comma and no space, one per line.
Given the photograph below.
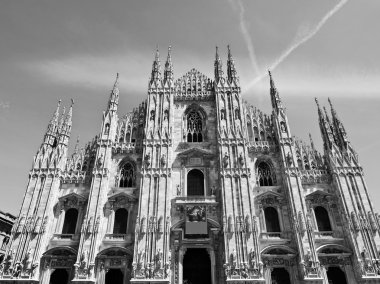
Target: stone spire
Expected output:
[218,71]
[168,74]
[339,128]
[65,130]
[52,129]
[231,70]
[325,126]
[156,73]
[114,97]
[275,96]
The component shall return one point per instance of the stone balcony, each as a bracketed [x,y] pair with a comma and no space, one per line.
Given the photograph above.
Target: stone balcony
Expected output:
[118,239]
[65,239]
[314,176]
[261,146]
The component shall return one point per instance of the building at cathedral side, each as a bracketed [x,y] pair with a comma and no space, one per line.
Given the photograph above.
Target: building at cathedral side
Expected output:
[194,186]
[6,222]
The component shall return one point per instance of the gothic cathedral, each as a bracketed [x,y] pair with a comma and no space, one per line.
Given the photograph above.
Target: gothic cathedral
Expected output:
[195,186]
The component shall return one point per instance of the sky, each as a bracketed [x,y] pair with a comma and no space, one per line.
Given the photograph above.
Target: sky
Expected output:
[53,49]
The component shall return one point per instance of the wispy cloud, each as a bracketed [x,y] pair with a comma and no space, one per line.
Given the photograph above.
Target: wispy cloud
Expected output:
[4,105]
[304,34]
[238,5]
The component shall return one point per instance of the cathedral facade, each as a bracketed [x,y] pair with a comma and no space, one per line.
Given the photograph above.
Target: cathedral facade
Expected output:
[195,186]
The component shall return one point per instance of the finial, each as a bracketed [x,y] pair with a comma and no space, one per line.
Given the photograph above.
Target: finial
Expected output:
[217,53]
[271,80]
[72,102]
[229,52]
[316,101]
[311,141]
[157,53]
[116,84]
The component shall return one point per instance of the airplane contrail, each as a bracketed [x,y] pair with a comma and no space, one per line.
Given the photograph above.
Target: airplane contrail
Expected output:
[299,40]
[246,35]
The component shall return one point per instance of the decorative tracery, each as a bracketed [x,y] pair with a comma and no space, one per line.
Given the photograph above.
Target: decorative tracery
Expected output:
[265,175]
[127,176]
[194,127]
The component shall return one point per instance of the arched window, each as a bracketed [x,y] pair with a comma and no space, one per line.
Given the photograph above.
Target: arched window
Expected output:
[121,221]
[250,131]
[127,137]
[265,176]
[134,135]
[323,220]
[194,127]
[256,133]
[271,220]
[195,183]
[299,163]
[70,223]
[107,129]
[127,176]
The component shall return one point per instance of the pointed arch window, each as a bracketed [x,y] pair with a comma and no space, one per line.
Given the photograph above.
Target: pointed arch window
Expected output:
[194,127]
[70,223]
[322,218]
[195,183]
[265,175]
[121,221]
[107,129]
[127,175]
[272,221]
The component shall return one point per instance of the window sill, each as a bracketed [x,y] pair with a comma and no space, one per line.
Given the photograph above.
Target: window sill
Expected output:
[127,238]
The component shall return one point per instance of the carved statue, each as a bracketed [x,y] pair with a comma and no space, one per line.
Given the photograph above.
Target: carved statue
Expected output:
[163,160]
[158,258]
[99,162]
[225,160]
[17,269]
[213,190]
[178,190]
[147,160]
[241,160]
[116,180]
[251,256]
[233,258]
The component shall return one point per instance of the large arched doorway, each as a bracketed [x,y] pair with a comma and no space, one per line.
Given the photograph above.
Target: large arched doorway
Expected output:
[196,267]
[59,276]
[114,276]
[335,275]
[195,183]
[280,275]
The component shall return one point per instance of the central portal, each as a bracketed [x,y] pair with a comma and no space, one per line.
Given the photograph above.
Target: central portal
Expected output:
[196,267]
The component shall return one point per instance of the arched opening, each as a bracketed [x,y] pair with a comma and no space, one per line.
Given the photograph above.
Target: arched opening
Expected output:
[134,135]
[196,266]
[335,275]
[127,175]
[59,276]
[121,221]
[256,133]
[107,129]
[127,137]
[271,220]
[70,224]
[250,131]
[114,276]
[265,176]
[195,183]
[299,164]
[194,127]
[323,220]
[280,275]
